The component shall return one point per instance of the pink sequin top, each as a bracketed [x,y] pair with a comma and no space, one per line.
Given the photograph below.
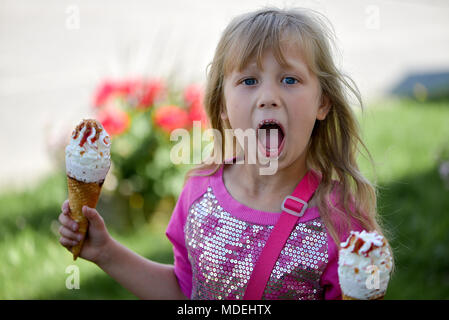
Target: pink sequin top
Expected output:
[217,240]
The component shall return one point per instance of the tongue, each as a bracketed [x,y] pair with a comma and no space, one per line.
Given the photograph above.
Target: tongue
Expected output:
[272,139]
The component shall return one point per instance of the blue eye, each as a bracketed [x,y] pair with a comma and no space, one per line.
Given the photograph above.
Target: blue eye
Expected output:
[250,81]
[290,80]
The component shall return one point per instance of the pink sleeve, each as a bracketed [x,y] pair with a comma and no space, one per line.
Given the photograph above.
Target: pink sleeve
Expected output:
[175,233]
[329,278]
[194,187]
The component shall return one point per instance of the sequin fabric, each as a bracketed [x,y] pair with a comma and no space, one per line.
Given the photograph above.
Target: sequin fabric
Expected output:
[223,250]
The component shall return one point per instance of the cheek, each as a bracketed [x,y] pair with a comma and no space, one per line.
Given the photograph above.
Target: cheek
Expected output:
[301,123]
[303,114]
[302,130]
[236,112]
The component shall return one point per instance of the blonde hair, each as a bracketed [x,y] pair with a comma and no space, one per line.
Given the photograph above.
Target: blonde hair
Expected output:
[335,141]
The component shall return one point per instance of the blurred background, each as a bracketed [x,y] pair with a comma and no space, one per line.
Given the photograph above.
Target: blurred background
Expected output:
[139,67]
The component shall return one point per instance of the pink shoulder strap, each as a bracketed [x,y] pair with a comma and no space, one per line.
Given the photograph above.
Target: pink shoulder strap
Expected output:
[293,207]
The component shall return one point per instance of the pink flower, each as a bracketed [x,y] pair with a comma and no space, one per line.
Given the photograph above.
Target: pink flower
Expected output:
[114,121]
[171,117]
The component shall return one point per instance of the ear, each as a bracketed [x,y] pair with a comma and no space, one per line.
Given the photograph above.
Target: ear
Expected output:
[324,108]
[224,115]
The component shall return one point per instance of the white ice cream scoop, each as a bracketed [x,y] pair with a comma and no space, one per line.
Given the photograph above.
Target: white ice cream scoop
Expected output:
[364,266]
[88,155]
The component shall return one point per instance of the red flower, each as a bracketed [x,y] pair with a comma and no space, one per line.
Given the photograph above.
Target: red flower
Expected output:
[193,96]
[114,121]
[170,117]
[126,87]
[143,93]
[104,91]
[197,113]
[140,93]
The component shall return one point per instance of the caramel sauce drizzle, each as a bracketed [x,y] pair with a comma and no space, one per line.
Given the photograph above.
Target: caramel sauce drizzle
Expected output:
[359,243]
[89,124]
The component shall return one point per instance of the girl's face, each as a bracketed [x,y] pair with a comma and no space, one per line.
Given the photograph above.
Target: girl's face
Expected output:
[289,96]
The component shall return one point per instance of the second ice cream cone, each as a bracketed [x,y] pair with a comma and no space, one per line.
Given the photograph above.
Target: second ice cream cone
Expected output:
[81,194]
[364,257]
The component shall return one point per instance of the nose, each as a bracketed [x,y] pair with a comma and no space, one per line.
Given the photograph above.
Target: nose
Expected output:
[267,103]
[269,97]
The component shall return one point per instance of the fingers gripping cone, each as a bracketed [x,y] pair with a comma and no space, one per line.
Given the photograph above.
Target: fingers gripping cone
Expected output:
[81,194]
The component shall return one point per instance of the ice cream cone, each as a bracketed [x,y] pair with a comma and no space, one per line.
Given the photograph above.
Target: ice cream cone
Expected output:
[87,164]
[364,266]
[81,194]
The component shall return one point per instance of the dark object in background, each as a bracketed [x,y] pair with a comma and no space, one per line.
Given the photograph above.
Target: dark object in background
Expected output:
[424,86]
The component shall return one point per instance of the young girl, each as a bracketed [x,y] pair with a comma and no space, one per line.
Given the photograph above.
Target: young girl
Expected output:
[275,66]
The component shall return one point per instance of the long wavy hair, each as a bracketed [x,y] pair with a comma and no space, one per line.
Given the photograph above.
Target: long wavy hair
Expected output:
[335,141]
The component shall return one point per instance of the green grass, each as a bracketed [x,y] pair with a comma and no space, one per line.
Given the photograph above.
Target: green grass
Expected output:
[404,138]
[34,263]
[36,266]
[416,210]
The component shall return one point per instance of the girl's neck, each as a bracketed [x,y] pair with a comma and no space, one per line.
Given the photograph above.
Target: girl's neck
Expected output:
[281,183]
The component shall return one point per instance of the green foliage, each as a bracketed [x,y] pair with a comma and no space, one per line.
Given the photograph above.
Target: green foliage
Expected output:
[143,170]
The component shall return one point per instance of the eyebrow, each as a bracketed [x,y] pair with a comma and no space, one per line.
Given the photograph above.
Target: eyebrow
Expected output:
[250,66]
[303,70]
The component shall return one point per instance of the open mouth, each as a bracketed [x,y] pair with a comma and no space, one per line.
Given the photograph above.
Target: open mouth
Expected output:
[270,137]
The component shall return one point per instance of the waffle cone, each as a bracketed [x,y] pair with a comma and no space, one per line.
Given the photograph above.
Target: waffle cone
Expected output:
[379,297]
[82,194]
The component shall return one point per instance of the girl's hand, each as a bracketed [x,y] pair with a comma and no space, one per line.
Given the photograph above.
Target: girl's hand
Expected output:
[95,245]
